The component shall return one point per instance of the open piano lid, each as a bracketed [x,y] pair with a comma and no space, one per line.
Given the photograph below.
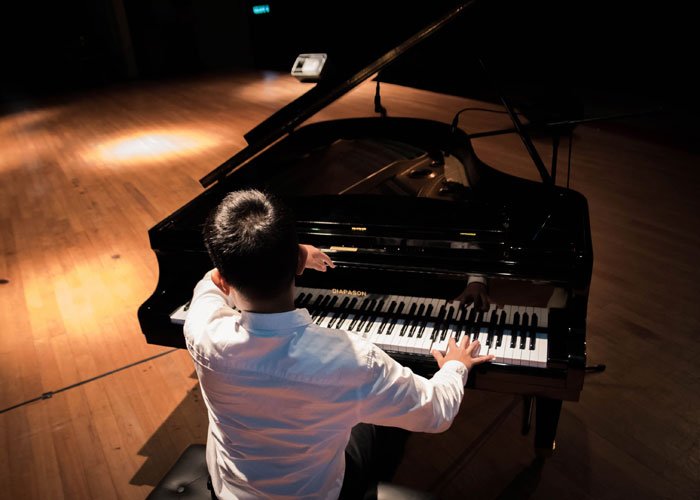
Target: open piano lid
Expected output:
[323,94]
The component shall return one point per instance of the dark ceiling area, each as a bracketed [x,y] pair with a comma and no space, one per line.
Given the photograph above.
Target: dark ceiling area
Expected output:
[560,57]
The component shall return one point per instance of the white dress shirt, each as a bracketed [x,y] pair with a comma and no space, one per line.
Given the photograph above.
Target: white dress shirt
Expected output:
[283,395]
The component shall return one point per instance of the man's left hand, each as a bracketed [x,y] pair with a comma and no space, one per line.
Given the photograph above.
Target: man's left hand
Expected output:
[476,293]
[311,257]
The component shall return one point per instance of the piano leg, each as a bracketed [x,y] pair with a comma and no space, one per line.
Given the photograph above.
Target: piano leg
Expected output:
[546,420]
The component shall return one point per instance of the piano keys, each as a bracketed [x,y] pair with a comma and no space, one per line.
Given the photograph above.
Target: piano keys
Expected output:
[415,326]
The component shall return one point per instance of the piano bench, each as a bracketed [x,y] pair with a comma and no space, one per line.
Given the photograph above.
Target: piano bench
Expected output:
[187,480]
[390,491]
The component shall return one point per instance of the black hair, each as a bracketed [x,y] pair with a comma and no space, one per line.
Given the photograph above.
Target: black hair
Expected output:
[251,239]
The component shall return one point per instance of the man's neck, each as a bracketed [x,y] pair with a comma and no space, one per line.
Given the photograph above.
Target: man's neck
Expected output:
[279,304]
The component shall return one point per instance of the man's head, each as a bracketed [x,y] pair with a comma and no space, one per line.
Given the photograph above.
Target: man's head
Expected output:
[252,241]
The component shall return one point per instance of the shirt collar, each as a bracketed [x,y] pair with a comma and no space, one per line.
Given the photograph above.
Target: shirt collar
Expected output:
[276,321]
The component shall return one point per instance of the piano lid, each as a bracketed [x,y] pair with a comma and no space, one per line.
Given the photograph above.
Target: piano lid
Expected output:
[323,94]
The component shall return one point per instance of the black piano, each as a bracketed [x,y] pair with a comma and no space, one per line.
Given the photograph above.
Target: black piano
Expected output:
[409,214]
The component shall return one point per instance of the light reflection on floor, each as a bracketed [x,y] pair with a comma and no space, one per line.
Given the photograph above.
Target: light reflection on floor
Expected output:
[152,145]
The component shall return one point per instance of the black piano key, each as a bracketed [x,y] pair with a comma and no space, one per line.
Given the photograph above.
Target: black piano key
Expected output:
[355,321]
[305,302]
[438,322]
[523,330]
[327,309]
[446,325]
[373,317]
[515,327]
[394,320]
[416,320]
[299,299]
[411,312]
[317,301]
[492,328]
[320,303]
[424,322]
[338,313]
[345,311]
[387,317]
[501,328]
[366,316]
[471,328]
[533,331]
[459,324]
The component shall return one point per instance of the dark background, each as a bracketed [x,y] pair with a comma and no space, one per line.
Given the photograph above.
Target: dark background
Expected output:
[569,59]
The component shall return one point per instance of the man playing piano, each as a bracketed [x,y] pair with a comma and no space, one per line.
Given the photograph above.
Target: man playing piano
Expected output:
[285,396]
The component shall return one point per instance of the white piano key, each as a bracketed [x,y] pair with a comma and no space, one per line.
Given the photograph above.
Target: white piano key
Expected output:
[391,332]
[507,349]
[481,349]
[403,340]
[493,327]
[508,336]
[539,359]
[326,320]
[371,335]
[531,343]
[499,350]
[526,354]
[440,343]
[517,330]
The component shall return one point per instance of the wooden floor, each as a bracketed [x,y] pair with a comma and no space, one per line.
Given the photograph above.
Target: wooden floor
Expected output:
[83,178]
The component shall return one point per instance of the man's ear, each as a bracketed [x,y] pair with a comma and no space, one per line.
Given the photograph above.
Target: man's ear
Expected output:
[220,282]
[301,259]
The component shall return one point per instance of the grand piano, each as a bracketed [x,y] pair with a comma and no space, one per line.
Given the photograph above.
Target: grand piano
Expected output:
[409,214]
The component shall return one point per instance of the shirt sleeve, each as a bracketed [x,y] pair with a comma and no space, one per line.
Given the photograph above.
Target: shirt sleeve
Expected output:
[208,302]
[400,398]
[476,278]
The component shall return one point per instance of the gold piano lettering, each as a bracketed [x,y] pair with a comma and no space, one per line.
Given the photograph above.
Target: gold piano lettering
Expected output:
[340,291]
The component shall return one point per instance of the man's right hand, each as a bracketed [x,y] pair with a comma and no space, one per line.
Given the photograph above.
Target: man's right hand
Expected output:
[464,352]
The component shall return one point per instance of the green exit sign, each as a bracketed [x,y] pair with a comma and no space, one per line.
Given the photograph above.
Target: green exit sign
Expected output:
[261,9]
